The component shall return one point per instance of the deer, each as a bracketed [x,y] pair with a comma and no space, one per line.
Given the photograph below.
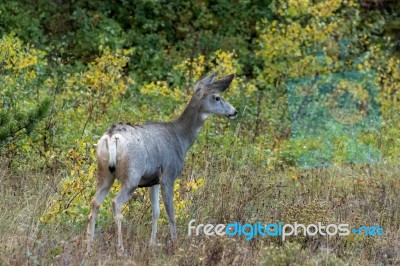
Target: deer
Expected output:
[152,155]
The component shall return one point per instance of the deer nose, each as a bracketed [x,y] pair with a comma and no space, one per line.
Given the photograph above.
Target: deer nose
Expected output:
[233,115]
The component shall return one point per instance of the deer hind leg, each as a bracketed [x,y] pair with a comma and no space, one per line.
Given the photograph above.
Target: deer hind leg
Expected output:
[104,181]
[155,204]
[127,188]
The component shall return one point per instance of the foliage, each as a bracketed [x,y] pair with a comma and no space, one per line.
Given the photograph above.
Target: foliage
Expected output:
[23,99]
[313,45]
[13,122]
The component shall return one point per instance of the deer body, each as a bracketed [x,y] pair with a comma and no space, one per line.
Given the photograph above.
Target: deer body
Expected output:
[153,154]
[147,150]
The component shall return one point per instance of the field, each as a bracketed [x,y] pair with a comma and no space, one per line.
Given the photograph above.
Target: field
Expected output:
[353,194]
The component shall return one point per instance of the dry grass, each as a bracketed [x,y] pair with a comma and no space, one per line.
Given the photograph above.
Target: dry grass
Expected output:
[356,195]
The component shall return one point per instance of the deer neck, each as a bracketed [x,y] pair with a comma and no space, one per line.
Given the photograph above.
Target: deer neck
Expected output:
[188,125]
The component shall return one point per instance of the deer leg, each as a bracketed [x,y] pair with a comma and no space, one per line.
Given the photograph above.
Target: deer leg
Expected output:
[167,191]
[123,196]
[155,204]
[105,180]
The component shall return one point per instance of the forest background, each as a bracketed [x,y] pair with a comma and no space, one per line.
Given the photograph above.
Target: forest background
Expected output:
[317,137]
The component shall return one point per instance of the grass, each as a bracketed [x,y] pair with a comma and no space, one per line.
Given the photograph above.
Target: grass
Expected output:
[233,191]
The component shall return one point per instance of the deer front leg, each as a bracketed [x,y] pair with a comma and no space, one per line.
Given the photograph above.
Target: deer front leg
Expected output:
[167,191]
[155,204]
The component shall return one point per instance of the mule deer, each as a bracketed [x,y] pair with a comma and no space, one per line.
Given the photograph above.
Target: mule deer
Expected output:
[152,154]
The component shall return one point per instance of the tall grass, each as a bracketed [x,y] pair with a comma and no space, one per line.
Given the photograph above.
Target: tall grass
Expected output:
[232,191]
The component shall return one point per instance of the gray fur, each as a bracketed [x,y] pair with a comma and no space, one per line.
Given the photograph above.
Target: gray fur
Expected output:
[153,154]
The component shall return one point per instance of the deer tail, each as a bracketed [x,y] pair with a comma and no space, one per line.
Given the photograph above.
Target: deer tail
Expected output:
[112,151]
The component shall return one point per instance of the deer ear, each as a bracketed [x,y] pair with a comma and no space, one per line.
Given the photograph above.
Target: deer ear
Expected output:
[204,82]
[221,84]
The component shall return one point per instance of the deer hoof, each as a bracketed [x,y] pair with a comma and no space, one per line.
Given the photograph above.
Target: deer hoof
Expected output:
[155,245]
[121,252]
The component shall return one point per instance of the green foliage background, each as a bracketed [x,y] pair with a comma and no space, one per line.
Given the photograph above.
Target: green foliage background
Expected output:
[70,68]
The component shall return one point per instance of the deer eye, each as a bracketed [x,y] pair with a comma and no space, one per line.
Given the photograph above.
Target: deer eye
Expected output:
[218,98]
